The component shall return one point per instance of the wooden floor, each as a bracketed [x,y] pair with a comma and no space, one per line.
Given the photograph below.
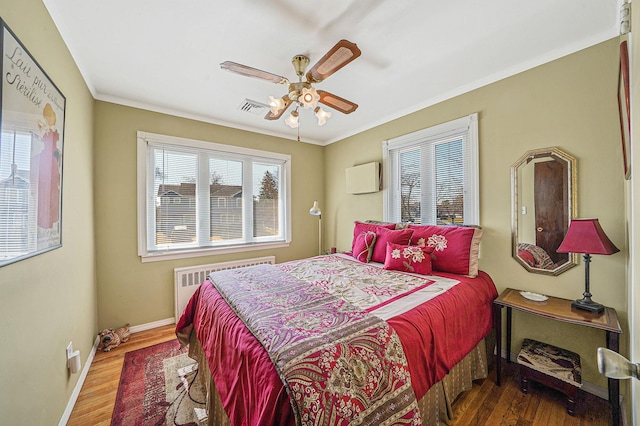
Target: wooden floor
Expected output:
[484,404]
[98,395]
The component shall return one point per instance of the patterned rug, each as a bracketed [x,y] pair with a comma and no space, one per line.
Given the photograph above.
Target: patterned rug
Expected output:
[159,386]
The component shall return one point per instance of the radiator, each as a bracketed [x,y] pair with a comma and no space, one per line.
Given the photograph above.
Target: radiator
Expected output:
[188,279]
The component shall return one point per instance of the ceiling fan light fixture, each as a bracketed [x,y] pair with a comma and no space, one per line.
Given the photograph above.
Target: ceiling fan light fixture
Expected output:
[302,93]
[276,104]
[322,115]
[308,98]
[292,120]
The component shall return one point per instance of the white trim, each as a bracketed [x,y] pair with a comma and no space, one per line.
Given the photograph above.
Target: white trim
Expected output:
[146,139]
[172,255]
[474,186]
[466,126]
[78,387]
[152,325]
[141,193]
[439,131]
[210,146]
[286,199]
[525,65]
[87,365]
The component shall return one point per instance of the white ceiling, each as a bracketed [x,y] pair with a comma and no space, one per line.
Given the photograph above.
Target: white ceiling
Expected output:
[164,55]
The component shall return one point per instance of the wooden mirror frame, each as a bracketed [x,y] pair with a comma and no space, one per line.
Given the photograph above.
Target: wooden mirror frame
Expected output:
[569,207]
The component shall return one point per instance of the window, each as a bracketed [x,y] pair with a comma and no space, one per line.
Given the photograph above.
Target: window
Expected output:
[18,198]
[195,198]
[431,176]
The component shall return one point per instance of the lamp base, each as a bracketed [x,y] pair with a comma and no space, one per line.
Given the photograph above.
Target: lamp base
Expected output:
[588,305]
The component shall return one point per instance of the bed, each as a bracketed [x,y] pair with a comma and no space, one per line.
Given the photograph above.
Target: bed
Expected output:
[339,337]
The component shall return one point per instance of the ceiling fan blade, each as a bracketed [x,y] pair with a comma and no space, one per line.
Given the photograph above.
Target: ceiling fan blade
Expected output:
[271,116]
[337,57]
[336,102]
[252,72]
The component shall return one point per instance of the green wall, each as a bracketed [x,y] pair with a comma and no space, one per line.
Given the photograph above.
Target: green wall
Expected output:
[130,291]
[570,103]
[49,300]
[97,280]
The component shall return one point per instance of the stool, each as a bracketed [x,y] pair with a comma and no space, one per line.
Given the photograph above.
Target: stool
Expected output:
[551,366]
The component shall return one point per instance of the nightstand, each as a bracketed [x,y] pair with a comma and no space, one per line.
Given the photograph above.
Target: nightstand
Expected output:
[558,309]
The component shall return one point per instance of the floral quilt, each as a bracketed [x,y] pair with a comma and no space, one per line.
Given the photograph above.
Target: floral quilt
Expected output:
[367,285]
[339,364]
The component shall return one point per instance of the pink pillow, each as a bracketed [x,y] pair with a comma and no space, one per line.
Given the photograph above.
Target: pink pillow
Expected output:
[363,246]
[360,227]
[455,247]
[384,236]
[409,258]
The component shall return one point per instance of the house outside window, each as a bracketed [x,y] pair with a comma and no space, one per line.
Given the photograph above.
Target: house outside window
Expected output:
[197,198]
[431,176]
[18,199]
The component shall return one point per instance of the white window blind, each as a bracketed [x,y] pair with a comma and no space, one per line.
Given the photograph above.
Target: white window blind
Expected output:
[172,202]
[196,197]
[18,198]
[431,176]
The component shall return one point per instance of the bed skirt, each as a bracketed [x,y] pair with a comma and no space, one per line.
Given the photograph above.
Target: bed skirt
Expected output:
[435,405]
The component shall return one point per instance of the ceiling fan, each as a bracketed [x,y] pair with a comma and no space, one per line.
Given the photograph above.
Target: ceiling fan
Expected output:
[302,92]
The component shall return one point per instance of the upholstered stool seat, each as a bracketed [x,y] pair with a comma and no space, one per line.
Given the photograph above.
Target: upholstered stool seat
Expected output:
[551,366]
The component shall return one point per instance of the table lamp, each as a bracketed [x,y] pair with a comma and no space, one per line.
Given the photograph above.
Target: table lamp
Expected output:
[315,211]
[587,237]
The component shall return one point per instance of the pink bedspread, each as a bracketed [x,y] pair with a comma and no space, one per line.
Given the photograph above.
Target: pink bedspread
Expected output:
[438,334]
[435,336]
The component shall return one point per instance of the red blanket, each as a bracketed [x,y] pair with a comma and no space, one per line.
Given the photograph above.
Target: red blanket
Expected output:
[435,336]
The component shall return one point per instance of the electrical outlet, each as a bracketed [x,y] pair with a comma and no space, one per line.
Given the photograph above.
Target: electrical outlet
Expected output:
[73,359]
[69,351]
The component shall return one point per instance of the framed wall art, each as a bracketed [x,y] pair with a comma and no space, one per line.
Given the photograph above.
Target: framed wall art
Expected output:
[624,108]
[32,122]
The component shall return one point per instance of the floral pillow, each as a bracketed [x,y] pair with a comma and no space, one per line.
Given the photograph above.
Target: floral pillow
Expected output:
[535,256]
[384,236]
[360,227]
[406,258]
[526,257]
[363,246]
[455,247]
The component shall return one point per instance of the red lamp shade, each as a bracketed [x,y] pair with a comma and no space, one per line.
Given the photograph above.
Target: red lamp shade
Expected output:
[586,236]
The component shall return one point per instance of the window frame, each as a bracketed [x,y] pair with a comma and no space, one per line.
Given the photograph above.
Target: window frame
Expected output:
[467,127]
[144,139]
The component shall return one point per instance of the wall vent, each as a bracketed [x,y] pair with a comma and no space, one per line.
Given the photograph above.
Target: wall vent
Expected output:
[254,107]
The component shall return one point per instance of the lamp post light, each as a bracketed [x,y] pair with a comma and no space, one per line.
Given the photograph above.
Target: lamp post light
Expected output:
[315,211]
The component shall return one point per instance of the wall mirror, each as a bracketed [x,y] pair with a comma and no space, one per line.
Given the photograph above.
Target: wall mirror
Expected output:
[543,194]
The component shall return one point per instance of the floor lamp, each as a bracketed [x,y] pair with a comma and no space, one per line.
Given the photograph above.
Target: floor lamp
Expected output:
[315,211]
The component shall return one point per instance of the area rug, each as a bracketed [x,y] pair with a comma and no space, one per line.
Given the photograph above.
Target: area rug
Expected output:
[159,386]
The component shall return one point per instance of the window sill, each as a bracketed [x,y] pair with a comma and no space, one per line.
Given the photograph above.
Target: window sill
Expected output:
[185,254]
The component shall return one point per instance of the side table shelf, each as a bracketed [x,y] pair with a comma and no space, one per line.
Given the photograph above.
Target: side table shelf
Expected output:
[558,309]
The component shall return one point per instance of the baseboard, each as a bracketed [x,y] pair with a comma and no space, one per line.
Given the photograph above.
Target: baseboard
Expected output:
[151,325]
[76,390]
[586,386]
